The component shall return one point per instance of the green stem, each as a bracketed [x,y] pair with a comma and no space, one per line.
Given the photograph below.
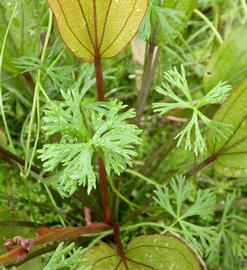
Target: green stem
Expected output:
[144,178]
[211,25]
[35,106]
[1,65]
[54,204]
[131,204]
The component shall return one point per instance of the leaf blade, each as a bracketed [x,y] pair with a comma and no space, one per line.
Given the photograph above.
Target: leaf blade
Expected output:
[232,160]
[98,28]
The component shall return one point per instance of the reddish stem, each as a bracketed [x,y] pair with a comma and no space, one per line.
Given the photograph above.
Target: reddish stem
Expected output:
[119,246]
[104,189]
[50,235]
[102,172]
[99,78]
[202,165]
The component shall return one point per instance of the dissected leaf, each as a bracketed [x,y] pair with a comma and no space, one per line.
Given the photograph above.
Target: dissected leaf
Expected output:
[155,252]
[113,139]
[98,27]
[232,160]
[23,38]
[228,63]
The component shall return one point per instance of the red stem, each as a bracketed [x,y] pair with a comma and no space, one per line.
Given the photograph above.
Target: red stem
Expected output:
[99,78]
[104,189]
[50,235]
[202,165]
[118,243]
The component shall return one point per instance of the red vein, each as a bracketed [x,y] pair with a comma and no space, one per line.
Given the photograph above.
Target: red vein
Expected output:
[118,265]
[126,22]
[87,26]
[95,27]
[70,28]
[141,264]
[104,258]
[104,27]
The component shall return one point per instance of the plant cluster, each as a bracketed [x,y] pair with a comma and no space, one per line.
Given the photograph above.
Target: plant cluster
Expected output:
[103,169]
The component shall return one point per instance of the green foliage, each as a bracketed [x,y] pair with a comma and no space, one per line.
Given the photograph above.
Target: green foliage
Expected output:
[217,95]
[87,129]
[202,206]
[51,104]
[62,258]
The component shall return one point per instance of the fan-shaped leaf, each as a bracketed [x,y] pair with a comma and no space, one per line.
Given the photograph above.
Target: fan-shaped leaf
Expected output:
[154,252]
[98,27]
[229,62]
[232,153]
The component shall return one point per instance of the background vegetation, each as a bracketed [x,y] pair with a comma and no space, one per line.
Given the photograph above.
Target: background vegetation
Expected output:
[169,188]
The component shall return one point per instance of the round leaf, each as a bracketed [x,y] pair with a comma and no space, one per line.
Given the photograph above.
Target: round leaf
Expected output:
[155,252]
[232,159]
[228,63]
[98,27]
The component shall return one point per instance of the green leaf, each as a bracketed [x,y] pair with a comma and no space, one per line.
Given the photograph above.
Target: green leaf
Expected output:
[3,139]
[100,27]
[232,152]
[228,63]
[155,252]
[24,35]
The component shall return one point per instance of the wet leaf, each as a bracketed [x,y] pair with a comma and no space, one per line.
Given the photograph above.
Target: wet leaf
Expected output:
[232,160]
[98,27]
[155,252]
[228,63]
